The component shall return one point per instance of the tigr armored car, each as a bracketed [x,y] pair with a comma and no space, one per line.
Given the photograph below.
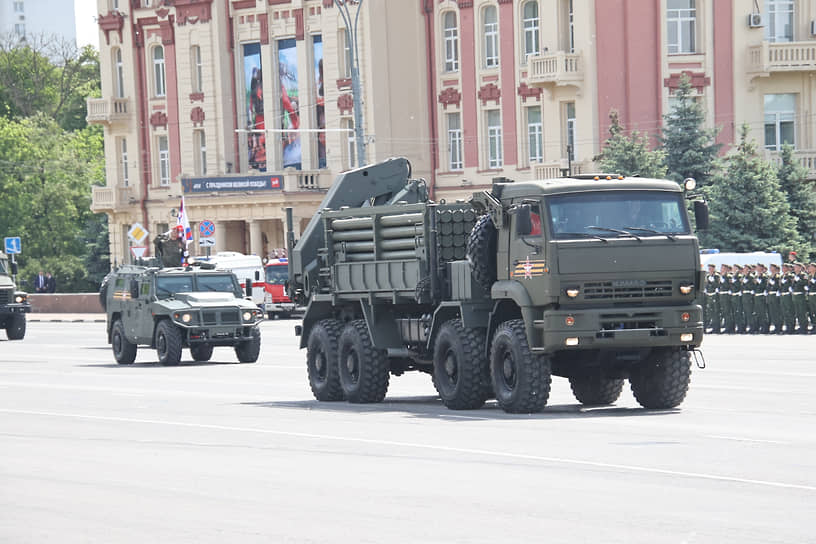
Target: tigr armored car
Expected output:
[13,303]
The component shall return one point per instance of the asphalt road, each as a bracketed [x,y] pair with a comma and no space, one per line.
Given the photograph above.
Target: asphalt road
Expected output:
[228,452]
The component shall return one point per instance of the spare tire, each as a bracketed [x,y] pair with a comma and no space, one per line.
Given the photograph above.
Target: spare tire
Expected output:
[103,292]
[481,252]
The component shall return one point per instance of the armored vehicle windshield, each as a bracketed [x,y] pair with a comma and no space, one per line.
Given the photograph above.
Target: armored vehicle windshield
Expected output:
[167,286]
[3,269]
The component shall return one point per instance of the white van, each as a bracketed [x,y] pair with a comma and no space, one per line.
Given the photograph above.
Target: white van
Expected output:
[247,268]
[715,257]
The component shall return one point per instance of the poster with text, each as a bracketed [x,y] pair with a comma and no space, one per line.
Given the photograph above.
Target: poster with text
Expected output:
[319,100]
[290,104]
[255,126]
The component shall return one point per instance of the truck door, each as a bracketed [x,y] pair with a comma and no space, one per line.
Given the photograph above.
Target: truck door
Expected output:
[526,248]
[144,323]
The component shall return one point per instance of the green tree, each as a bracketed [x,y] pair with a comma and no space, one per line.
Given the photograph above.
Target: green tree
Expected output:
[749,211]
[691,150]
[799,192]
[630,155]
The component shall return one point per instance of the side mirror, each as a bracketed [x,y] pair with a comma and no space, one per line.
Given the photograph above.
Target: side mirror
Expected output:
[701,214]
[524,222]
[257,276]
[248,287]
[13,269]
[134,289]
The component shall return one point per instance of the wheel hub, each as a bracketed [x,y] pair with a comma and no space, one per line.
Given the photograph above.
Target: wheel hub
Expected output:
[450,366]
[508,369]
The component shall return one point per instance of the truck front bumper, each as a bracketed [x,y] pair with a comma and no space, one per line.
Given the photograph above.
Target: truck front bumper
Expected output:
[618,328]
[15,308]
[279,307]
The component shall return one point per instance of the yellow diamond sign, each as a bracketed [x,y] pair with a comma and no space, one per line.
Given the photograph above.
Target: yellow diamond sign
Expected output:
[137,233]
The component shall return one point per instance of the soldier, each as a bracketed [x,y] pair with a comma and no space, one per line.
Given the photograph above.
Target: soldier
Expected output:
[749,323]
[774,305]
[761,299]
[811,297]
[711,311]
[170,247]
[724,290]
[785,288]
[736,300]
[800,281]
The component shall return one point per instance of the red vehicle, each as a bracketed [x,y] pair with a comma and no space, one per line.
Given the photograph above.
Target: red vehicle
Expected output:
[276,303]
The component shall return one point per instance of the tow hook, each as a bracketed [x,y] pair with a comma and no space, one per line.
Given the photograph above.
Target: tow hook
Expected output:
[699,358]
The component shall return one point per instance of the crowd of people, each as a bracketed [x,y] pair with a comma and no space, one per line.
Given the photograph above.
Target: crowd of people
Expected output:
[44,283]
[753,299]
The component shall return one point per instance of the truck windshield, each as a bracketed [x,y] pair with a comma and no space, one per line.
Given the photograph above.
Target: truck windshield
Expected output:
[167,286]
[616,214]
[277,275]
[3,269]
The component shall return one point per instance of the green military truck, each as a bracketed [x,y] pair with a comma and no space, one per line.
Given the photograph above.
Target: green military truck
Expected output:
[168,309]
[590,278]
[13,303]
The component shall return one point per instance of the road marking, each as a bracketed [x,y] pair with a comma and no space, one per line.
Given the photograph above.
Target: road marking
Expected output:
[743,439]
[431,447]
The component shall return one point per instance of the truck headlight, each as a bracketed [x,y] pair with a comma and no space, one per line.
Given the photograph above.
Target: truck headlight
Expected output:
[19,299]
[184,318]
[686,288]
[572,292]
[247,316]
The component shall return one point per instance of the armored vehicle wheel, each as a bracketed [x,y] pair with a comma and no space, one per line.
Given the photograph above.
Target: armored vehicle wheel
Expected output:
[124,351]
[16,326]
[363,368]
[481,251]
[460,366]
[592,388]
[168,343]
[247,352]
[521,380]
[662,379]
[321,360]
[201,352]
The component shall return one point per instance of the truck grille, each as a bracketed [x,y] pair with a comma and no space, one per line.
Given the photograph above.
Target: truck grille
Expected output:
[626,289]
[5,296]
[624,321]
[229,316]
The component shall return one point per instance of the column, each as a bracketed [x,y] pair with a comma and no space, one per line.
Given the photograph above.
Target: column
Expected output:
[255,239]
[220,236]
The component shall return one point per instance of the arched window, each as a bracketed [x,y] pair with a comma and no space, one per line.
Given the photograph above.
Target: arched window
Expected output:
[119,73]
[451,35]
[530,24]
[491,37]
[160,85]
[198,69]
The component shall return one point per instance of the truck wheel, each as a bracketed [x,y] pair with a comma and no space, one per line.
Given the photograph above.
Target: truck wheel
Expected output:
[481,252]
[662,379]
[124,351]
[321,360]
[592,388]
[247,352]
[103,292]
[16,326]
[363,368]
[201,352]
[168,343]
[460,366]
[521,380]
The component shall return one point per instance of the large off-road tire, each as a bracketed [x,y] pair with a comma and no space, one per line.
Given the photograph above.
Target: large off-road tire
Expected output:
[592,388]
[321,360]
[247,352]
[168,343]
[16,326]
[460,366]
[662,379]
[363,368]
[103,292]
[521,379]
[124,351]
[201,353]
[481,252]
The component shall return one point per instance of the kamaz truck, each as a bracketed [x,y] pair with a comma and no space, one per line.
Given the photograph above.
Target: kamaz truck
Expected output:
[591,278]
[13,303]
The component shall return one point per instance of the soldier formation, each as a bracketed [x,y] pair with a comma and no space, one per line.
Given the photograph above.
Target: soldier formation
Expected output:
[750,299]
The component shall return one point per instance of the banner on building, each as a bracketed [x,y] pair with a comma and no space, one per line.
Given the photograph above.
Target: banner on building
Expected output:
[290,104]
[232,183]
[255,125]
[319,100]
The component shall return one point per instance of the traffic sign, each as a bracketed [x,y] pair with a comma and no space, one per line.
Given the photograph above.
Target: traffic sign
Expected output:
[206,242]
[13,245]
[138,251]
[137,233]
[206,228]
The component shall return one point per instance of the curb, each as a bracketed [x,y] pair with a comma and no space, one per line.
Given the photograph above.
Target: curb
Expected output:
[64,320]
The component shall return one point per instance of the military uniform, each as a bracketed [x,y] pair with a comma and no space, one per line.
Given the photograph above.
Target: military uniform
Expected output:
[736,300]
[711,311]
[800,281]
[785,288]
[774,304]
[170,250]
[811,296]
[724,296]
[748,302]
[761,302]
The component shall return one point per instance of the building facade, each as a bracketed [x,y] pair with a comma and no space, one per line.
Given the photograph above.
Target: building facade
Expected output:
[30,17]
[245,106]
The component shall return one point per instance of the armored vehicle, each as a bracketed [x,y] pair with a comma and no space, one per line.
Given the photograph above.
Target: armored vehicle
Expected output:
[168,309]
[590,278]
[13,303]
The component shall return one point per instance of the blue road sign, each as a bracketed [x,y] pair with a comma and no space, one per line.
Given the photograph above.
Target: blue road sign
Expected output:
[13,245]
[206,228]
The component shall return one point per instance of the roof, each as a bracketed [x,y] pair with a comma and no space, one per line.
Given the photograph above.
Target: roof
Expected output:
[573,185]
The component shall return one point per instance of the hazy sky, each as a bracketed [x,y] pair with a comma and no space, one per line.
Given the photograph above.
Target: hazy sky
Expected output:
[87,30]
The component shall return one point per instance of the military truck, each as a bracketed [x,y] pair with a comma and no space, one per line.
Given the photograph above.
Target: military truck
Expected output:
[13,303]
[589,278]
[195,307]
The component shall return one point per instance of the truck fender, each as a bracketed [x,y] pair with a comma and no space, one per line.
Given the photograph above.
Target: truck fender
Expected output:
[473,316]
[382,325]
[315,311]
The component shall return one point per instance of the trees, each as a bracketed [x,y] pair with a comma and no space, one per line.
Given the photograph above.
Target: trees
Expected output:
[630,155]
[690,148]
[799,193]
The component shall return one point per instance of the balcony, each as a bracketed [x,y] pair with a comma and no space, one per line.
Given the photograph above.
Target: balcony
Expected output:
[560,68]
[805,157]
[553,169]
[768,58]
[111,199]
[108,110]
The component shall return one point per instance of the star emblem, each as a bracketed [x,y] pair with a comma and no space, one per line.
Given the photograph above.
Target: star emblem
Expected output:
[528,268]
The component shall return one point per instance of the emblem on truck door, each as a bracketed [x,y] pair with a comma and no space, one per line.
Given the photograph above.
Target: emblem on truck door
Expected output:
[527,269]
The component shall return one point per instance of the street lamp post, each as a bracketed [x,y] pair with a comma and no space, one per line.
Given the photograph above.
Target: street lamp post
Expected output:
[351,40]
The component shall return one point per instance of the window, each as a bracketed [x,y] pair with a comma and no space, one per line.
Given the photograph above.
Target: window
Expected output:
[780,20]
[119,73]
[19,7]
[115,4]
[454,142]
[158,71]
[345,62]
[19,29]
[566,28]
[535,134]
[491,37]
[494,139]
[200,142]
[780,112]
[451,33]
[351,142]
[198,70]
[164,161]
[123,162]
[530,23]
[569,127]
[681,18]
